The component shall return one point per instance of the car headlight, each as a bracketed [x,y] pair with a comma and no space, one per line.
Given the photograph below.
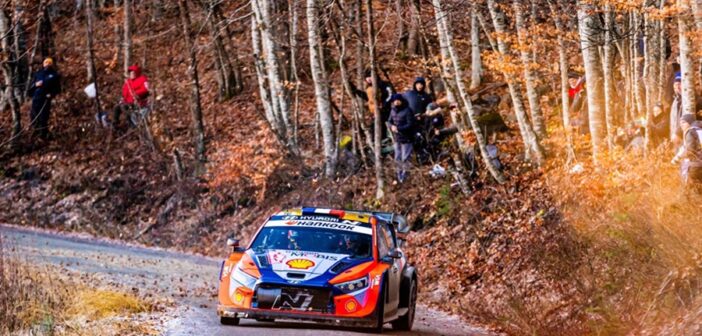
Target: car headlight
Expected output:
[353,285]
[243,278]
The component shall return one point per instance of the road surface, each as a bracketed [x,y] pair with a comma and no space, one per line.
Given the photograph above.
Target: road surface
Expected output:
[188,280]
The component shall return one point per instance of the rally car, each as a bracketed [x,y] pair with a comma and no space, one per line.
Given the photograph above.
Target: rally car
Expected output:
[329,266]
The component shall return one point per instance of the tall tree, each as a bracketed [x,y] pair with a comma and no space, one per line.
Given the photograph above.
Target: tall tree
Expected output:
[531,142]
[90,55]
[8,72]
[476,66]
[378,123]
[198,126]
[127,39]
[530,79]
[227,71]
[321,88]
[267,54]
[447,39]
[590,39]
[686,62]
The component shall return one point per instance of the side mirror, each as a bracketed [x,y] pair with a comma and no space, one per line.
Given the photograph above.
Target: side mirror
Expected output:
[233,243]
[395,254]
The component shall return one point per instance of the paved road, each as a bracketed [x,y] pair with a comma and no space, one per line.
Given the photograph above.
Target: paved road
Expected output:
[188,280]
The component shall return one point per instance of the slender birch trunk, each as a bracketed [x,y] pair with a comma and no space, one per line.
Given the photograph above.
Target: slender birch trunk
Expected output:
[8,72]
[278,93]
[530,79]
[608,65]
[445,30]
[90,55]
[687,66]
[127,36]
[380,185]
[476,66]
[321,89]
[531,141]
[198,126]
[589,40]
[563,67]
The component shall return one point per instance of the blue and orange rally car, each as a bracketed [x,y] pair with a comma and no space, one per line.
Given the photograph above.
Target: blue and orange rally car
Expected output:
[330,266]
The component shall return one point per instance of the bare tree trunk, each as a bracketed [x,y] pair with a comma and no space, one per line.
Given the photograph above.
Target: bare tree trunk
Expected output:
[321,89]
[563,65]
[445,30]
[278,93]
[687,67]
[127,40]
[8,72]
[399,12]
[379,193]
[195,106]
[92,72]
[531,141]
[530,79]
[476,66]
[294,18]
[608,65]
[589,38]
[413,42]
[228,84]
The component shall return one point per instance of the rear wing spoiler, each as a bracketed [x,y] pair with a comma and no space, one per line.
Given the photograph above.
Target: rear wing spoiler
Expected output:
[399,221]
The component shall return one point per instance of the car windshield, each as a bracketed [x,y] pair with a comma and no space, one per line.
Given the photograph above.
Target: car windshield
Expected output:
[357,245]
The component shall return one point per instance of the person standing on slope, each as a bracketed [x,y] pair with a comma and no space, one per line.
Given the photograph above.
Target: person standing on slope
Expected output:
[135,94]
[46,85]
[402,124]
[417,98]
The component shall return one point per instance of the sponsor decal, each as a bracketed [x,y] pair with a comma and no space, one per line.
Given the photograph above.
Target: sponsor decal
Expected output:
[277,257]
[376,281]
[300,301]
[300,263]
[313,255]
[312,218]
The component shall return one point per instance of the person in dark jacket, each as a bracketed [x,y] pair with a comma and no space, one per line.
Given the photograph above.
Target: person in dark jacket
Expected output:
[386,91]
[417,98]
[402,124]
[46,84]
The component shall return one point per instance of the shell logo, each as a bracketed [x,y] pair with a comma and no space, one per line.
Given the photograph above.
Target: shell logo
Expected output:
[300,263]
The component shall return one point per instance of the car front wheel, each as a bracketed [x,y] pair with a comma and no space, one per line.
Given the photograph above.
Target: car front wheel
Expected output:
[406,321]
[229,320]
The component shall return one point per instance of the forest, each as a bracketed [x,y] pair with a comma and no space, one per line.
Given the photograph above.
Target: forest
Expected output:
[547,153]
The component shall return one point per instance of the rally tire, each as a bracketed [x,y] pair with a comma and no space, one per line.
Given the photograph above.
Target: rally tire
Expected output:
[380,311]
[406,321]
[231,321]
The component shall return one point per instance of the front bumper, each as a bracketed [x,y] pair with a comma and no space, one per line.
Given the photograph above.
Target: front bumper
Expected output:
[253,313]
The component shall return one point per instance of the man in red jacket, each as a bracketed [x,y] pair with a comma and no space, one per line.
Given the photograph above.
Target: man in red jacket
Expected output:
[135,93]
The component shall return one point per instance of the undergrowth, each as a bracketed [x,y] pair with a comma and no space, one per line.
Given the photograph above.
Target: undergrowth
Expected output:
[36,300]
[642,234]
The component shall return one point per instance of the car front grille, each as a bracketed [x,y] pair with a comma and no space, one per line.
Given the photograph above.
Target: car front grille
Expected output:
[293,298]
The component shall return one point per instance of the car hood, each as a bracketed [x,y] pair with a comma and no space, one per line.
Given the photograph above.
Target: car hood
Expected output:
[300,266]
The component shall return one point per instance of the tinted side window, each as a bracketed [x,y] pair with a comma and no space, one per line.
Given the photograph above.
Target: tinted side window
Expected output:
[385,240]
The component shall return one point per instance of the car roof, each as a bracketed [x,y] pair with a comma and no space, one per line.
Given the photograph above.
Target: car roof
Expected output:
[363,216]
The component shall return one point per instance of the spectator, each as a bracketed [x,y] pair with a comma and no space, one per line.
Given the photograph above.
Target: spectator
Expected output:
[659,125]
[386,91]
[578,107]
[402,124]
[417,98]
[135,94]
[46,85]
[676,110]
[690,153]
